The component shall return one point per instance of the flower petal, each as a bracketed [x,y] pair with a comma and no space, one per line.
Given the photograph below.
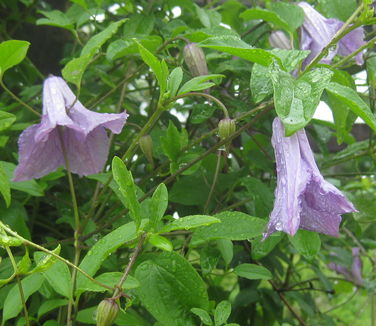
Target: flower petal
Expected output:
[37,158]
[352,42]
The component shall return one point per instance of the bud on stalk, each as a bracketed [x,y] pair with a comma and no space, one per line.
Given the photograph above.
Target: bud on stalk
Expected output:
[194,57]
[107,312]
[146,145]
[226,127]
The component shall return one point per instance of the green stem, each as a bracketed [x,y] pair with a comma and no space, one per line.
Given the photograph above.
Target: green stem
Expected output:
[32,244]
[14,96]
[340,33]
[9,252]
[208,96]
[77,229]
[128,268]
[214,182]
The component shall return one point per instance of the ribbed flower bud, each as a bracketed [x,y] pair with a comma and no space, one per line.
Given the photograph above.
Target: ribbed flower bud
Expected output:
[146,145]
[279,40]
[194,57]
[107,312]
[226,127]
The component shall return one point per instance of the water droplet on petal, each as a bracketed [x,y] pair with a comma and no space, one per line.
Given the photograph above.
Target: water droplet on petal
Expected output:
[278,226]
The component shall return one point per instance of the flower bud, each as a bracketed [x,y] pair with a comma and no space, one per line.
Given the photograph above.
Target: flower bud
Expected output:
[146,145]
[279,40]
[226,127]
[106,312]
[194,57]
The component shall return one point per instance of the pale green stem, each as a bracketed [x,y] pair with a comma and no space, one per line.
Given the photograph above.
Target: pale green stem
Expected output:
[214,182]
[14,96]
[32,244]
[22,296]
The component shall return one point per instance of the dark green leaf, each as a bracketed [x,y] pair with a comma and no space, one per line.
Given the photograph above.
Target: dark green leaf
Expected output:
[174,81]
[5,186]
[6,118]
[197,84]
[340,9]
[168,278]
[49,305]
[189,222]
[158,205]
[59,278]
[173,141]
[56,18]
[233,226]
[265,15]
[253,272]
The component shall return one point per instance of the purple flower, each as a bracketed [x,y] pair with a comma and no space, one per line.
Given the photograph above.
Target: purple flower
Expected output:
[83,134]
[355,274]
[317,32]
[303,199]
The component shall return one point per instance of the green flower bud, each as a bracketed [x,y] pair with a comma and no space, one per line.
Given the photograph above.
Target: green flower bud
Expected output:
[194,57]
[146,145]
[107,312]
[226,127]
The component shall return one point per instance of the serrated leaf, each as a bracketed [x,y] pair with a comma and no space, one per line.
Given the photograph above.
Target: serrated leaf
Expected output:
[296,100]
[253,272]
[103,248]
[11,54]
[127,187]
[307,243]
[189,222]
[174,81]
[235,46]
[166,278]
[158,205]
[198,83]
[351,98]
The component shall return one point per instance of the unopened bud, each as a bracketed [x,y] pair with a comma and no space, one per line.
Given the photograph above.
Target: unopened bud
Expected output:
[107,312]
[279,40]
[194,57]
[146,145]
[226,127]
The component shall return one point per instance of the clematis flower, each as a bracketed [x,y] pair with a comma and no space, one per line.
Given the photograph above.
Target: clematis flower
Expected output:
[317,31]
[355,274]
[303,199]
[81,130]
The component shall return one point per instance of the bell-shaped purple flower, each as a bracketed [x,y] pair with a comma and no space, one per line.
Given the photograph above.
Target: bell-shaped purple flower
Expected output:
[317,31]
[303,199]
[355,274]
[81,131]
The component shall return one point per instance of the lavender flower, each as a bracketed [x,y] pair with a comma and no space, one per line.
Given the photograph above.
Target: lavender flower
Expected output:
[82,131]
[303,199]
[317,32]
[355,274]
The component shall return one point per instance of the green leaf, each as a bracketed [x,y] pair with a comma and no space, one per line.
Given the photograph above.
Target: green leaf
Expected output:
[351,98]
[158,205]
[45,261]
[74,69]
[24,264]
[290,13]
[173,141]
[161,242]
[296,100]
[56,18]
[96,42]
[340,9]
[233,226]
[307,243]
[265,15]
[174,81]
[189,222]
[13,303]
[102,249]
[253,272]
[166,278]
[197,84]
[6,118]
[235,46]
[9,241]
[50,305]
[261,248]
[222,312]
[127,187]
[11,54]
[59,278]
[226,248]
[5,186]
[82,3]
[110,279]
[204,316]
[156,66]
